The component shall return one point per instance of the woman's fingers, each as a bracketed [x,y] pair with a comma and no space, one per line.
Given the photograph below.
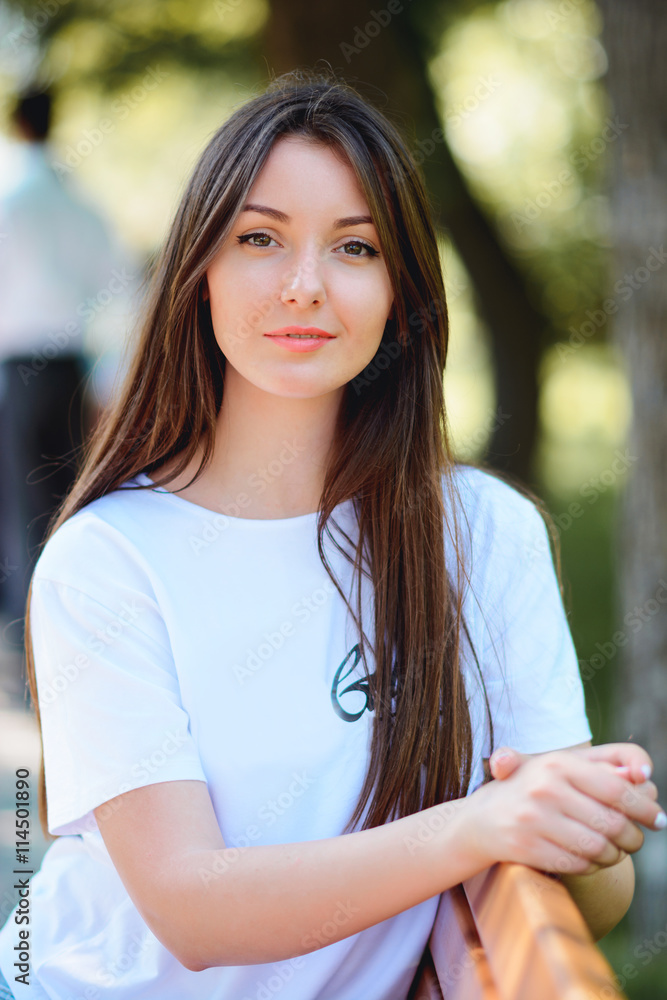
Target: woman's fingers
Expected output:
[566,845]
[603,784]
[579,840]
[639,803]
[627,755]
[647,788]
[504,761]
[603,821]
[549,857]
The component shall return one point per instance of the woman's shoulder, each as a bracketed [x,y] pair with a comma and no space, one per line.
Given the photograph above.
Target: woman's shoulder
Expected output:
[99,542]
[486,499]
[501,532]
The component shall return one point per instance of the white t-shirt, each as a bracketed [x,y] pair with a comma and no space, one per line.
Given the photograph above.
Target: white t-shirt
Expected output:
[173,642]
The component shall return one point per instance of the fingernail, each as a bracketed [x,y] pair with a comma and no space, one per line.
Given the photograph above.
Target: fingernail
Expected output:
[502,756]
[646,771]
[660,821]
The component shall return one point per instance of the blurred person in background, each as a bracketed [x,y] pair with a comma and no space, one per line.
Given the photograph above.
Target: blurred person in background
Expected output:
[61,271]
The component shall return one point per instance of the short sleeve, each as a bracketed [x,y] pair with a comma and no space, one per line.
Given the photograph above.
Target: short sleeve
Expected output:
[521,634]
[109,699]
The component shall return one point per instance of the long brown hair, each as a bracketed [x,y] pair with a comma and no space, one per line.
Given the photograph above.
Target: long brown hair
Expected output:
[390,454]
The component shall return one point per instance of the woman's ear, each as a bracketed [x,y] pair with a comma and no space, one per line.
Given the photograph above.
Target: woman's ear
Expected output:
[205,290]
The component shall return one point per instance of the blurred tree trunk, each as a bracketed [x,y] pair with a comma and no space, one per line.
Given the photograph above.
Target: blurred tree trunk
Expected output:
[392,58]
[635,35]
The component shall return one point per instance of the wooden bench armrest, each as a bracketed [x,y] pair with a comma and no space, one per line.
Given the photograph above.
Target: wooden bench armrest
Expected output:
[512,933]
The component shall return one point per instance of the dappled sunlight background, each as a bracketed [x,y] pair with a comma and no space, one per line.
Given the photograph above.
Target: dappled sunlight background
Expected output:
[530,149]
[525,112]
[139,170]
[540,111]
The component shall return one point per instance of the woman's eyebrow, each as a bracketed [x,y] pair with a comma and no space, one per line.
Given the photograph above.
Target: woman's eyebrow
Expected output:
[344,223]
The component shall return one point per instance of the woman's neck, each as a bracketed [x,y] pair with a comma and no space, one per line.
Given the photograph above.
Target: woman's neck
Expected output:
[269,457]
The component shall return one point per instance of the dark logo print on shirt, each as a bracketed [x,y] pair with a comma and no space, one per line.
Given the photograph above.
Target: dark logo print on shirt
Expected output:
[363,684]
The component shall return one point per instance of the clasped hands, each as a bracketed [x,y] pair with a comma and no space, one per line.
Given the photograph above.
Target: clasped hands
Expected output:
[575,810]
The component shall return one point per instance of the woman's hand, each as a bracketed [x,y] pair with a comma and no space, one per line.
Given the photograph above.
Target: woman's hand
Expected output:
[631,761]
[567,811]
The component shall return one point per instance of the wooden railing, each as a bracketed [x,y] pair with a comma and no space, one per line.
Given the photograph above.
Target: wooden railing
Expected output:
[511,933]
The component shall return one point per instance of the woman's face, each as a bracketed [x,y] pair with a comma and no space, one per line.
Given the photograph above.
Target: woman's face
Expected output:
[300,269]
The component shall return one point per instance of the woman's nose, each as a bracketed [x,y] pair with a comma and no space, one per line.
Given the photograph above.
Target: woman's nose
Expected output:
[303,282]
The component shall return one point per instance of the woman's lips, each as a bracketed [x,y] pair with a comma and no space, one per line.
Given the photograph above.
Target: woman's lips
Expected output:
[299,343]
[305,338]
[315,330]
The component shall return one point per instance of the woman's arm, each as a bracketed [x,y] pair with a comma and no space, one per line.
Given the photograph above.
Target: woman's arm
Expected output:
[210,905]
[215,906]
[603,897]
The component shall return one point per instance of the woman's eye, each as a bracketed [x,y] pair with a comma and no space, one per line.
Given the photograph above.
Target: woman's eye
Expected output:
[250,236]
[370,251]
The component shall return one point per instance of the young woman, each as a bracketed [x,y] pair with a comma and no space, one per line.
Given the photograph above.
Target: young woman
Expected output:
[276,630]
